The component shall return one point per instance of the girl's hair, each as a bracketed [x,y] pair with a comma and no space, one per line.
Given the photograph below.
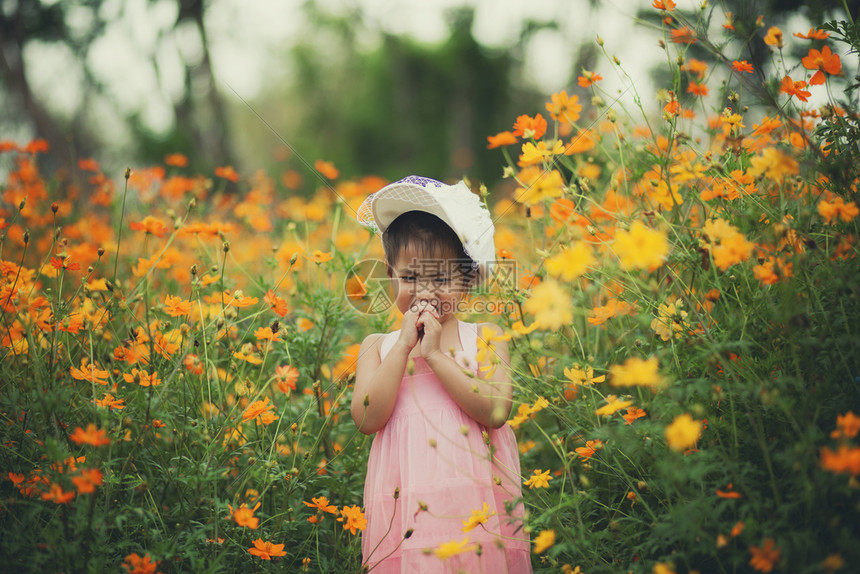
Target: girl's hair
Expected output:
[431,237]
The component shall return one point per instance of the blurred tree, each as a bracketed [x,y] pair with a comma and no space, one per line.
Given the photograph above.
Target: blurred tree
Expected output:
[27,21]
[200,129]
[401,107]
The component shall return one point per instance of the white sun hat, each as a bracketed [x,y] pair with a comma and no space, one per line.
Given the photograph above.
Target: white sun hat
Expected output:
[455,204]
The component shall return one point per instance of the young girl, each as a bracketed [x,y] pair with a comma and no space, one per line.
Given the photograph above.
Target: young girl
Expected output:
[443,477]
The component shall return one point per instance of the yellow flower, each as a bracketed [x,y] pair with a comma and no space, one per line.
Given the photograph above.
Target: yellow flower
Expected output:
[487,356]
[537,153]
[727,243]
[670,321]
[663,568]
[452,548]
[641,247]
[519,329]
[544,540]
[572,262]
[539,405]
[550,305]
[582,377]
[635,372]
[613,405]
[774,164]
[538,185]
[683,432]
[478,517]
[540,479]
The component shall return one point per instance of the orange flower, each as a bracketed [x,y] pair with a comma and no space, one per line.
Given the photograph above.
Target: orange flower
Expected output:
[837,209]
[563,108]
[529,127]
[89,373]
[813,34]
[728,493]
[256,409]
[151,225]
[176,306]
[176,160]
[847,426]
[326,169]
[772,270]
[673,108]
[244,516]
[352,518]
[695,66]
[583,141]
[823,61]
[227,172]
[633,413]
[88,164]
[142,378]
[140,565]
[792,88]
[846,460]
[266,550]
[591,447]
[277,304]
[697,89]
[764,558]
[588,79]
[58,495]
[501,139]
[270,333]
[322,257]
[193,364]
[773,37]
[110,402]
[64,263]
[89,479]
[742,66]
[238,299]
[667,5]
[322,505]
[685,35]
[286,377]
[93,436]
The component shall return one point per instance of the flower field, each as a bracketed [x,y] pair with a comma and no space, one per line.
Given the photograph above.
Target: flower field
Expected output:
[678,283]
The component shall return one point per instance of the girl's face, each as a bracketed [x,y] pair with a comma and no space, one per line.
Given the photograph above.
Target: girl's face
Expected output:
[427,282]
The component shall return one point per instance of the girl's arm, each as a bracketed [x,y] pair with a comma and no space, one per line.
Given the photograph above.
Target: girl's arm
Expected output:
[377,383]
[487,398]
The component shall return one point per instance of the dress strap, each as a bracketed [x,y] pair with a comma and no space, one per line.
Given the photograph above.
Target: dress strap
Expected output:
[388,341]
[469,337]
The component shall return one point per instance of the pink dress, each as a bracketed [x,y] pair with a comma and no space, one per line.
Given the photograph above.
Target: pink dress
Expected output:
[438,458]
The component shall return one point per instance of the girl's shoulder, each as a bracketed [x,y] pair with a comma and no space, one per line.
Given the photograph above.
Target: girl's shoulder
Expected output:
[373,340]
